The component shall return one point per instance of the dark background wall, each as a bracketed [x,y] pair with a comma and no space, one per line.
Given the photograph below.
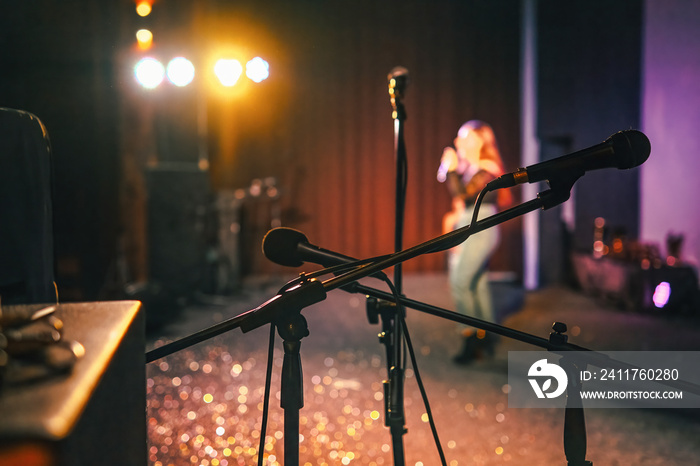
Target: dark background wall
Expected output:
[321,125]
[332,145]
[589,87]
[57,61]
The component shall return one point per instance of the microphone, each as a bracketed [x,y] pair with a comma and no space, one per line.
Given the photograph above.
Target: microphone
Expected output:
[398,80]
[291,248]
[623,150]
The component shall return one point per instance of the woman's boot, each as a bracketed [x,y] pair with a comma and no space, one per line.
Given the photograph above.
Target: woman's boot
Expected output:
[468,352]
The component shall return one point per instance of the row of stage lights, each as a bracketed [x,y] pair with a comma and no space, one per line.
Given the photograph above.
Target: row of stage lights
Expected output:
[180,71]
[150,72]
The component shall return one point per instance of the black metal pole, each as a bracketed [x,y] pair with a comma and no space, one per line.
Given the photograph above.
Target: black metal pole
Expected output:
[575,441]
[292,330]
[395,418]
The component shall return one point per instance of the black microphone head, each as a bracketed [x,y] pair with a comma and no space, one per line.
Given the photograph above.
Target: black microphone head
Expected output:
[280,246]
[632,148]
[399,76]
[398,72]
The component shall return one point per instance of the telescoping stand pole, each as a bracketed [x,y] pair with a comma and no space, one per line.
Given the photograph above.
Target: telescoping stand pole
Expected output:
[395,418]
[292,330]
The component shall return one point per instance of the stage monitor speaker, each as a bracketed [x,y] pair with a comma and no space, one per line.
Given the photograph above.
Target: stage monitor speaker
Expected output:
[94,415]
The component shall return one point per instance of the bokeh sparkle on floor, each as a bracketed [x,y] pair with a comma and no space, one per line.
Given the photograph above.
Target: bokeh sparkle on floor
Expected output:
[205,403]
[211,414]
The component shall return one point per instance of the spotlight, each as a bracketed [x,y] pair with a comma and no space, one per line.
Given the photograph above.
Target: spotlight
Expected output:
[257,69]
[672,290]
[228,71]
[180,71]
[144,37]
[143,8]
[149,72]
[662,293]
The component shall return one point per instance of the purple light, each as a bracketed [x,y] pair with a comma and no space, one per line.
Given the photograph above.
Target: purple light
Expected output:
[662,293]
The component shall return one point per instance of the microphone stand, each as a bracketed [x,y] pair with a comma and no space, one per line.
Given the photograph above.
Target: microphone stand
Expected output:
[293,329]
[398,78]
[309,292]
[575,442]
[284,310]
[392,336]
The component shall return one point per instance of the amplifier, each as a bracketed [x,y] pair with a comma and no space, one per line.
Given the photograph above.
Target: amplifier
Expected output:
[96,413]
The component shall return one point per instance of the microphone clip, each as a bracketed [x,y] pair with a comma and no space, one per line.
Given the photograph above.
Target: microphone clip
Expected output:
[559,192]
[291,299]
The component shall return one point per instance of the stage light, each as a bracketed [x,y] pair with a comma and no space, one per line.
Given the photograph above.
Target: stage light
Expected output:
[662,294]
[257,69]
[228,71]
[144,37]
[149,72]
[180,71]
[143,8]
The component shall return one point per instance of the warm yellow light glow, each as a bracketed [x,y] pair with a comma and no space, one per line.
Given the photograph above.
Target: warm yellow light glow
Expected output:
[149,72]
[228,71]
[180,71]
[144,38]
[143,8]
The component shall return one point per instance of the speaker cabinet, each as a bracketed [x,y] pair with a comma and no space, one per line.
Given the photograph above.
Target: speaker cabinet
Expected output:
[178,225]
[96,414]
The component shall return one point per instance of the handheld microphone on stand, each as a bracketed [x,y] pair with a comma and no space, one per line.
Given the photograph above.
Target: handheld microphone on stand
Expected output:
[623,150]
[398,80]
[284,311]
[291,248]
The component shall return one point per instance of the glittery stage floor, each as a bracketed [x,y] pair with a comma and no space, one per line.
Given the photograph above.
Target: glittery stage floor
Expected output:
[205,403]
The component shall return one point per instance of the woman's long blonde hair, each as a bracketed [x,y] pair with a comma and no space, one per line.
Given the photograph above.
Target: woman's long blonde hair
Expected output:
[490,152]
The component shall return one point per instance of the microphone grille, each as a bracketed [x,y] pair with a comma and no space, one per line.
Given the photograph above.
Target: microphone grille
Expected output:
[398,72]
[399,75]
[280,246]
[632,146]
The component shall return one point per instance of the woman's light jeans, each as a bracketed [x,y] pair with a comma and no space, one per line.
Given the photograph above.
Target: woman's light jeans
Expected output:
[468,267]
